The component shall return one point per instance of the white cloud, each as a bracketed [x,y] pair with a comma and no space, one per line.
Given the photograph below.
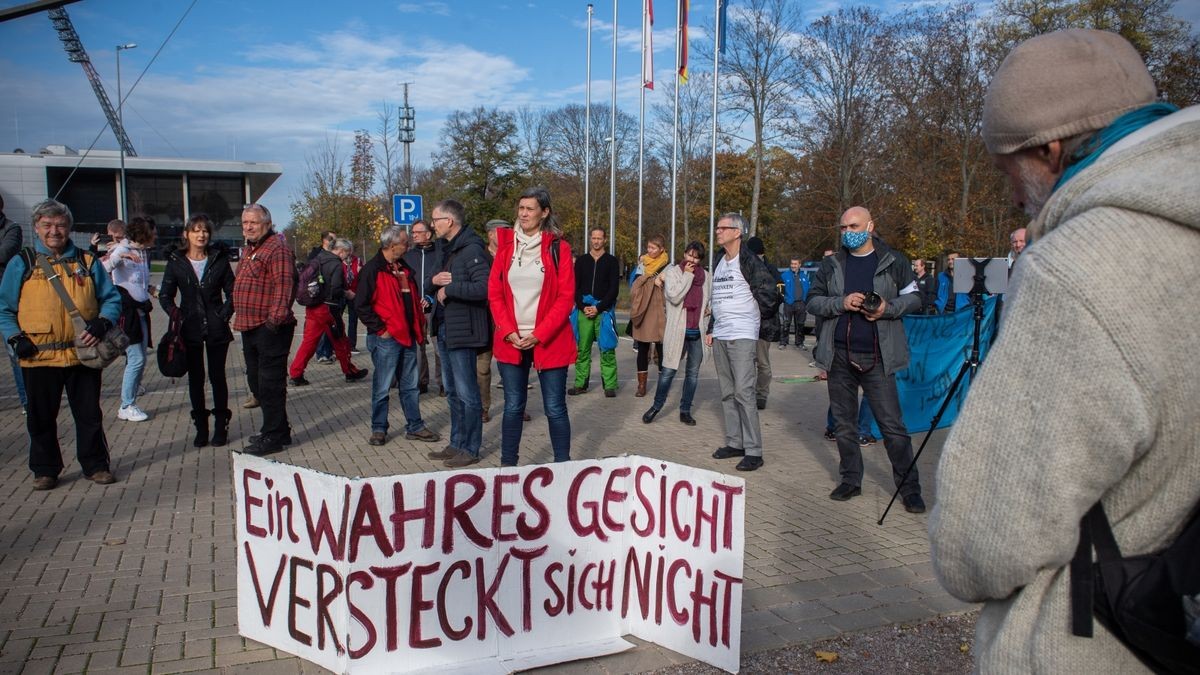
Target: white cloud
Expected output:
[424,8]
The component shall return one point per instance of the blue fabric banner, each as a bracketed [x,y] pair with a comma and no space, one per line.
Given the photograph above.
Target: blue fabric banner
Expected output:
[939,345]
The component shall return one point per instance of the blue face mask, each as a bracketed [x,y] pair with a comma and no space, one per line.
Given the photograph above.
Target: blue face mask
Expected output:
[854,240]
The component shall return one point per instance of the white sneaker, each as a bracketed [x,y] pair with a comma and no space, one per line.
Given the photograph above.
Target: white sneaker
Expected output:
[132,413]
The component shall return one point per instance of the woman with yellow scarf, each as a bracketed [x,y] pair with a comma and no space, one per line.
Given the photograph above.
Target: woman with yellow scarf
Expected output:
[648,312]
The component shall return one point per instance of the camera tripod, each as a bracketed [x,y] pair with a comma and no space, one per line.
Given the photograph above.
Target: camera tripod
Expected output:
[970,364]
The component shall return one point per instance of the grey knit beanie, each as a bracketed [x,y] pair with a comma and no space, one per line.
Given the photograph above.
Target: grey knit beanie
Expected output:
[1060,84]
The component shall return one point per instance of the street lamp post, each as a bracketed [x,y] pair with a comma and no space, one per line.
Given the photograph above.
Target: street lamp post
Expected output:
[121,119]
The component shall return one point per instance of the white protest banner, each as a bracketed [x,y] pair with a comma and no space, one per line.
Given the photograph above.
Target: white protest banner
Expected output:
[491,570]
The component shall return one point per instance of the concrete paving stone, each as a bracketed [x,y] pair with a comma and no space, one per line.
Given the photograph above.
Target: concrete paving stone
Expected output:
[45,652]
[14,650]
[756,619]
[102,660]
[39,666]
[850,583]
[181,666]
[945,604]
[905,612]
[71,663]
[288,666]
[760,640]
[893,575]
[847,604]
[893,594]
[856,621]
[241,657]
[929,587]
[89,645]
[802,611]
[805,631]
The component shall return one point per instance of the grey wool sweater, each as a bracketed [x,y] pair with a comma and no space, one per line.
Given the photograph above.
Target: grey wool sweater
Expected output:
[1090,393]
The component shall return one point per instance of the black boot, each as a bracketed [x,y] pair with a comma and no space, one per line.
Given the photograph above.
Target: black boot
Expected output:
[200,418]
[221,426]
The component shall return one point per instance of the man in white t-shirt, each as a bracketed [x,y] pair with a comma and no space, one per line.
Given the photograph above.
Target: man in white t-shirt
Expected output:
[744,296]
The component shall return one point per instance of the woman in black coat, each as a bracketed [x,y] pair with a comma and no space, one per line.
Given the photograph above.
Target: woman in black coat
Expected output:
[201,274]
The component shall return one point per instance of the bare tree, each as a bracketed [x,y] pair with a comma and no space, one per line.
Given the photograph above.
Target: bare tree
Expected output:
[842,109]
[387,154]
[760,74]
[695,136]
[533,137]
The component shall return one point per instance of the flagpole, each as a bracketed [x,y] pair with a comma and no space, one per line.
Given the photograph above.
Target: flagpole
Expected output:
[587,128]
[712,187]
[612,149]
[675,124]
[642,129]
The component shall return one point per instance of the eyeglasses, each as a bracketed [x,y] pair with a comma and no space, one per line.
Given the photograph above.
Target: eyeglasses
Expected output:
[726,227]
[434,220]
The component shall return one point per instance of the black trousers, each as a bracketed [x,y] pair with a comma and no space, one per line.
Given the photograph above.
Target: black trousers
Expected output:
[266,352]
[643,355]
[44,388]
[216,353]
[880,390]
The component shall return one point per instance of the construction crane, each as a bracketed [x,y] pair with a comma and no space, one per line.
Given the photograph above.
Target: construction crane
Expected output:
[76,53]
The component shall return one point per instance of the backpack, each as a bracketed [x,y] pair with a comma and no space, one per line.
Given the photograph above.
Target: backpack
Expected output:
[1146,601]
[310,284]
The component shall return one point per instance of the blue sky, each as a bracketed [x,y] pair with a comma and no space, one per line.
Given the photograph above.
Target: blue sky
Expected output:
[269,80]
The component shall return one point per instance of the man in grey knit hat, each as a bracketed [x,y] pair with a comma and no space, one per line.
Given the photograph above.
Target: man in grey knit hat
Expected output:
[1088,395]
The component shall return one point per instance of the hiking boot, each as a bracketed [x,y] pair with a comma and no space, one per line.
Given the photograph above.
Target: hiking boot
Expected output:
[864,441]
[844,492]
[285,439]
[445,453]
[45,482]
[377,438]
[460,460]
[830,435]
[610,393]
[357,375]
[575,391]
[687,419]
[103,477]
[299,381]
[726,452]
[761,404]
[264,444]
[913,503]
[423,435]
[749,463]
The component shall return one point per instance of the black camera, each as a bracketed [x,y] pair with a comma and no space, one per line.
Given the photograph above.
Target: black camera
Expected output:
[871,303]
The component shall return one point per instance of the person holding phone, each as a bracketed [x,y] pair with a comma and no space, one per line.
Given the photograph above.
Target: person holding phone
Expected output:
[687,290]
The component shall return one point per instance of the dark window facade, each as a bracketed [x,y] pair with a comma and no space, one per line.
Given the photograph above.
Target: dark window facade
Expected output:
[220,198]
[91,195]
[158,196]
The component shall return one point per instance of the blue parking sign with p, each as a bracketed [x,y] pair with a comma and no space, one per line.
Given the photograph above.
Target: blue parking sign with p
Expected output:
[406,209]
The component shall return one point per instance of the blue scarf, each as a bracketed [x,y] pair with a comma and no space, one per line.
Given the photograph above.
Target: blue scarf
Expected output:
[1102,140]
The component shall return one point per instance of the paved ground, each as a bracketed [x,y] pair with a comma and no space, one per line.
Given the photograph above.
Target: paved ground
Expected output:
[139,576]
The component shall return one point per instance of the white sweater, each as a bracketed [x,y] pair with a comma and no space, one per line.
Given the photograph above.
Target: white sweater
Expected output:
[1090,392]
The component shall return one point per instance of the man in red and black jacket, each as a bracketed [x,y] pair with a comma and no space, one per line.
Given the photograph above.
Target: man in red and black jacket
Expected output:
[263,292]
[388,303]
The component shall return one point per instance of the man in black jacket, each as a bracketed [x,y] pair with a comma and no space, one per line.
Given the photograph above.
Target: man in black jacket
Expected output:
[769,334]
[463,327]
[321,320]
[597,281]
[425,257]
[862,292]
[745,299]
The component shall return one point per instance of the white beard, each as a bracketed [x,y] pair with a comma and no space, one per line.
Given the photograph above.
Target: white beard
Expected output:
[1036,193]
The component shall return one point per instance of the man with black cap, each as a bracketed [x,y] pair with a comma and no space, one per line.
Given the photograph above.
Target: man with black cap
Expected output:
[1087,397]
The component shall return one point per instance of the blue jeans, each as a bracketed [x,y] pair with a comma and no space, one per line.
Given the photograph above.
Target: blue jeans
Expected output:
[18,376]
[554,400]
[693,351]
[462,393]
[135,365]
[866,419]
[391,360]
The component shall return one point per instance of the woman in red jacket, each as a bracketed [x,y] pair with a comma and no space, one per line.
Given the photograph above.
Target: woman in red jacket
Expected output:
[531,292]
